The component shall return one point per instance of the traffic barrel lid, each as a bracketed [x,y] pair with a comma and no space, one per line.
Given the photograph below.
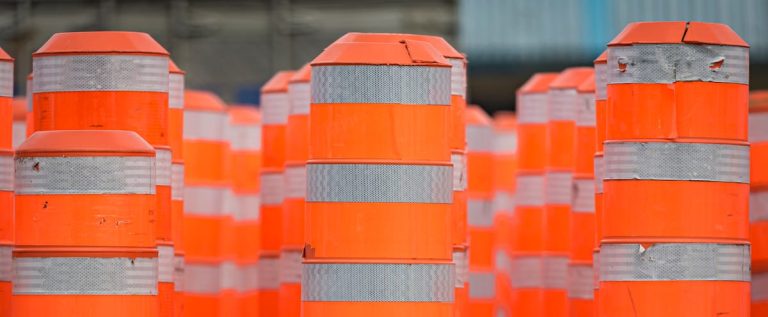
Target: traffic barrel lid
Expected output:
[571,77]
[278,83]
[20,108]
[477,116]
[85,143]
[603,58]
[104,42]
[505,120]
[303,75]
[758,101]
[587,85]
[403,53]
[538,83]
[244,114]
[173,69]
[203,100]
[4,57]
[439,43]
[678,32]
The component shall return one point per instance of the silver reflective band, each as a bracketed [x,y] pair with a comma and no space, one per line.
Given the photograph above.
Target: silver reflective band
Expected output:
[759,287]
[379,183]
[272,188]
[581,282]
[202,278]
[502,261]
[532,108]
[178,273]
[527,272]
[247,208]
[393,84]
[599,173]
[758,206]
[290,266]
[176,91]
[677,161]
[461,265]
[203,201]
[6,79]
[480,213]
[19,132]
[559,186]
[204,125]
[6,172]
[249,278]
[6,263]
[230,206]
[459,171]
[100,73]
[758,127]
[585,113]
[482,285]
[245,137]
[85,175]
[162,167]
[505,143]
[596,269]
[275,107]
[555,272]
[584,195]
[530,190]
[377,283]
[458,77]
[299,94]
[296,181]
[562,105]
[177,181]
[601,81]
[668,63]
[165,264]
[269,273]
[503,202]
[85,276]
[675,262]
[479,138]
[230,276]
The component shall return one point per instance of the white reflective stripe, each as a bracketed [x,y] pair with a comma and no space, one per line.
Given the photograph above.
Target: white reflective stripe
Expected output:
[559,187]
[380,183]
[247,206]
[230,276]
[584,195]
[85,175]
[6,172]
[675,262]
[205,125]
[245,137]
[502,262]
[290,266]
[527,272]
[458,77]
[480,213]
[377,282]
[596,269]
[299,94]
[275,107]
[19,132]
[677,161]
[461,265]
[272,188]
[249,277]
[387,84]
[530,190]
[230,204]
[6,79]
[177,181]
[459,162]
[758,127]
[202,278]
[482,285]
[269,273]
[178,273]
[296,181]
[668,63]
[555,272]
[563,105]
[503,202]
[162,167]
[585,113]
[63,73]
[165,266]
[759,287]
[479,138]
[580,282]
[758,206]
[599,173]
[505,143]
[601,81]
[84,276]
[6,263]
[176,91]
[204,201]
[532,108]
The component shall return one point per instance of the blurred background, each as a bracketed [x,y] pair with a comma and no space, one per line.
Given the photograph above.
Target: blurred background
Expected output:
[233,46]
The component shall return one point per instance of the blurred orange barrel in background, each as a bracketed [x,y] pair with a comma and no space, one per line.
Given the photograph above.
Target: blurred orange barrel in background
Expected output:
[601,78]
[504,175]
[6,180]
[758,199]
[19,129]
[176,141]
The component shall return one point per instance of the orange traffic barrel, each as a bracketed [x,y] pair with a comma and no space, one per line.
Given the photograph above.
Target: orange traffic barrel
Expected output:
[504,174]
[205,148]
[176,142]
[245,137]
[19,129]
[562,111]
[112,80]
[601,78]
[527,276]
[758,200]
[379,183]
[457,144]
[580,269]
[85,225]
[296,156]
[676,189]
[480,159]
[30,108]
[6,180]
[275,108]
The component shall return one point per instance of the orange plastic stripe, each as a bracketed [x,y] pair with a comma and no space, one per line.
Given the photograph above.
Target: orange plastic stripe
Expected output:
[529,237]
[375,309]
[480,175]
[758,232]
[274,146]
[199,157]
[293,223]
[758,170]
[561,141]
[532,147]
[84,305]
[678,298]
[7,218]
[585,151]
[202,237]
[482,247]
[458,138]
[582,237]
[459,221]
[175,133]
[557,229]
[271,227]
[6,123]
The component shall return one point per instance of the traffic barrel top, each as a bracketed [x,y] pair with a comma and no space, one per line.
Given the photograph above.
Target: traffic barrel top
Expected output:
[278,82]
[104,42]
[403,53]
[538,83]
[674,32]
[571,78]
[439,43]
[80,142]
[203,100]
